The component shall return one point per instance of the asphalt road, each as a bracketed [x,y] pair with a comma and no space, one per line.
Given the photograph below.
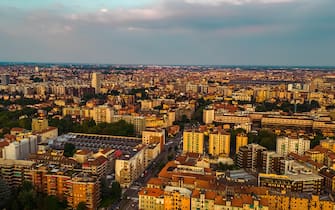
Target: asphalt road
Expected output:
[130,195]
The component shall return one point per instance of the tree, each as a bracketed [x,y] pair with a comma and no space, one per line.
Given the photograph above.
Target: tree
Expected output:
[318,136]
[115,92]
[25,123]
[225,167]
[197,115]
[4,193]
[116,191]
[27,198]
[184,119]
[69,149]
[53,203]
[81,206]
[170,157]
[267,139]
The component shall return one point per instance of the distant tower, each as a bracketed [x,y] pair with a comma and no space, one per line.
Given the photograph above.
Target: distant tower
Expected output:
[40,123]
[96,83]
[36,69]
[4,79]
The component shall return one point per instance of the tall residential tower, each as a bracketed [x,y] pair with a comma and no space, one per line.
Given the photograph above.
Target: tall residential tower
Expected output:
[96,83]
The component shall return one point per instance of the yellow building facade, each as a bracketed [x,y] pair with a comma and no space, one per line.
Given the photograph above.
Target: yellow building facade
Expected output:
[328,144]
[177,198]
[284,202]
[193,141]
[151,199]
[241,140]
[219,144]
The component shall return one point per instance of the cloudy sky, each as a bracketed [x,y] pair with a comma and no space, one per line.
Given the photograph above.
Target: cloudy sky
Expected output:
[276,32]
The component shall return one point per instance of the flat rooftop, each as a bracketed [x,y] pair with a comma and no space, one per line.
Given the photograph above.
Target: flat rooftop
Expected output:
[241,174]
[129,146]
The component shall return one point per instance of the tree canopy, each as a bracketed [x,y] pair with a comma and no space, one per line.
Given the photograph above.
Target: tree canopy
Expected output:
[26,198]
[265,138]
[120,128]
[69,149]
[110,194]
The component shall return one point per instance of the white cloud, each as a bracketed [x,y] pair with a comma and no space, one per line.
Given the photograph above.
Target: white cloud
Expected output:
[236,2]
[104,10]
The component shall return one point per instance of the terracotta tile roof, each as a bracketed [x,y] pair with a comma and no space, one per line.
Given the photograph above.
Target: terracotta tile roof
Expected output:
[219,200]
[210,195]
[242,199]
[181,159]
[10,137]
[255,190]
[17,129]
[155,192]
[320,149]
[98,161]
[205,184]
[156,181]
[3,143]
[196,194]
[264,202]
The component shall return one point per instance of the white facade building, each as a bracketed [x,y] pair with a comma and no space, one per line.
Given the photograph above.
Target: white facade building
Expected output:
[285,145]
[20,150]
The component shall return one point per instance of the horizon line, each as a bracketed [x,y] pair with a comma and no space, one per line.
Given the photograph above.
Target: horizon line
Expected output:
[153,64]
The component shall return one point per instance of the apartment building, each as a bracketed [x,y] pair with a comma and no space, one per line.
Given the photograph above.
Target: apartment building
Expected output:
[208,116]
[193,141]
[20,149]
[84,188]
[250,157]
[177,198]
[286,145]
[241,140]
[137,121]
[102,114]
[219,143]
[151,199]
[15,172]
[300,182]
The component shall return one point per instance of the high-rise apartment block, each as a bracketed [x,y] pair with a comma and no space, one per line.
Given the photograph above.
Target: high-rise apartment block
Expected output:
[219,143]
[20,149]
[250,157]
[208,116]
[241,140]
[193,141]
[96,82]
[15,172]
[83,188]
[102,114]
[286,145]
[137,121]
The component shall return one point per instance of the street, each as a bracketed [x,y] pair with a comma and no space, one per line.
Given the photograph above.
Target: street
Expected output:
[130,195]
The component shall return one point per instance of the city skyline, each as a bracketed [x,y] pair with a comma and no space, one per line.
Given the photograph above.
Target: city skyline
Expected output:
[240,32]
